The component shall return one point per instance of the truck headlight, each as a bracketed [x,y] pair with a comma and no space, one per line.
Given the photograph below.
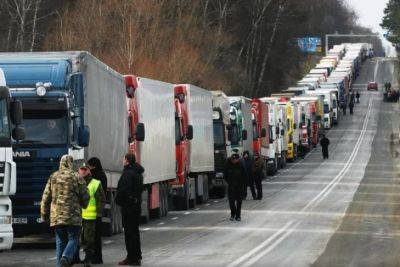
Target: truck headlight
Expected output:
[41,91]
[219,175]
[5,220]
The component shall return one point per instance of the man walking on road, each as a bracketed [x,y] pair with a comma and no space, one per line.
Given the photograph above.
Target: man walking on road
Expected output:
[325,144]
[258,172]
[358,96]
[235,176]
[91,213]
[63,199]
[247,162]
[351,106]
[129,198]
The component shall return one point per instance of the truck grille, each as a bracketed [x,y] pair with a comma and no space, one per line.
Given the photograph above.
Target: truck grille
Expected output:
[219,161]
[32,177]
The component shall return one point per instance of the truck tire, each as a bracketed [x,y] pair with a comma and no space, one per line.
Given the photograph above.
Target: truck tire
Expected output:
[182,201]
[206,189]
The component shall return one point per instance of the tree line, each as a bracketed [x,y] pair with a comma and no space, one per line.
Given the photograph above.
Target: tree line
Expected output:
[246,47]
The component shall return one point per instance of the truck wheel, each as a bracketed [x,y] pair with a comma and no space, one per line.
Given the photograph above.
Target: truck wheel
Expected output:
[184,198]
[164,199]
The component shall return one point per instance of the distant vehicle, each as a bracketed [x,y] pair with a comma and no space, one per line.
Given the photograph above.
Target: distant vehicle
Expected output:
[372,86]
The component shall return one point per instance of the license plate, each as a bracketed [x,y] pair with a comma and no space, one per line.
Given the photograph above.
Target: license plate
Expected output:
[19,220]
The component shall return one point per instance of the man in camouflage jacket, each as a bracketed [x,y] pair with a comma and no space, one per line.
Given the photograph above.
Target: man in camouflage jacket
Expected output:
[63,199]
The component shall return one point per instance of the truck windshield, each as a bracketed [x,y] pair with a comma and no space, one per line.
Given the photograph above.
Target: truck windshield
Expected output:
[48,127]
[235,135]
[219,134]
[326,108]
[5,136]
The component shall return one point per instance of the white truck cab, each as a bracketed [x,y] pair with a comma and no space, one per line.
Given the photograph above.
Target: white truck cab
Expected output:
[9,112]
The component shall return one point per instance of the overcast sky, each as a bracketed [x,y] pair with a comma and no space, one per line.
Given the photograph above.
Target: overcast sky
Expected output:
[370,12]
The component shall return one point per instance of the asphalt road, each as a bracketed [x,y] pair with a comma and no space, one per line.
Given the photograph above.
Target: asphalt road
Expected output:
[343,211]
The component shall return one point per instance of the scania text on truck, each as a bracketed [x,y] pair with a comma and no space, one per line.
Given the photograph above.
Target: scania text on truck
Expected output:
[10,114]
[72,104]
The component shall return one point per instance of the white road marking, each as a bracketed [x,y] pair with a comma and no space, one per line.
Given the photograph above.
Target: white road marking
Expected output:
[187,213]
[174,218]
[267,246]
[52,259]
[108,242]
[161,223]
[245,257]
[146,229]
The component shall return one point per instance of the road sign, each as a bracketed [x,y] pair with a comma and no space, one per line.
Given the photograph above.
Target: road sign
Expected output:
[310,44]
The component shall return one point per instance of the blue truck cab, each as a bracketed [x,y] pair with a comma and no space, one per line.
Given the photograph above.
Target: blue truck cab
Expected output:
[51,93]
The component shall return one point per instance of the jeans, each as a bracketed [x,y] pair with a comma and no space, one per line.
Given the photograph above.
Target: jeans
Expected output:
[67,240]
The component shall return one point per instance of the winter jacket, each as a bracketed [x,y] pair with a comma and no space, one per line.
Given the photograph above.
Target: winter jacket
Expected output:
[99,196]
[130,187]
[98,172]
[235,176]
[64,196]
[259,167]
[324,142]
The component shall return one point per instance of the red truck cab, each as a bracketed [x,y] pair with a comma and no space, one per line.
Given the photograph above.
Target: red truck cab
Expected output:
[260,128]
[183,133]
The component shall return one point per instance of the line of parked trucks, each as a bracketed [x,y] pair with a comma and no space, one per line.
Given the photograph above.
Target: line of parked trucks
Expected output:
[181,134]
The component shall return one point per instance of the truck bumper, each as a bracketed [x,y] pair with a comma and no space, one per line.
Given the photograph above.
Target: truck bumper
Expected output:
[6,239]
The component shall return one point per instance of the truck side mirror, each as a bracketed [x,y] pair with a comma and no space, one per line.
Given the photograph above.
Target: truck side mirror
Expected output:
[282,132]
[295,126]
[16,112]
[244,135]
[271,140]
[277,130]
[84,136]
[4,92]
[263,132]
[189,134]
[140,132]
[18,133]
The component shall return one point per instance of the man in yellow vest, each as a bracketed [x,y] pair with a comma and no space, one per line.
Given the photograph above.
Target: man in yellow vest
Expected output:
[90,214]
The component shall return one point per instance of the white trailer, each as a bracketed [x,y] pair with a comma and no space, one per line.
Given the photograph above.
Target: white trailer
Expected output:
[201,158]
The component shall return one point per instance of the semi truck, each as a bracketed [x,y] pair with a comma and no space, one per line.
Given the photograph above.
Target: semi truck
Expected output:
[275,138]
[225,136]
[158,134]
[11,116]
[73,104]
[241,122]
[260,120]
[200,172]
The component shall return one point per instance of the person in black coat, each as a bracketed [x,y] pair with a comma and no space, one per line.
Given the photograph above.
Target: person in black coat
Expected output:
[351,106]
[325,144]
[235,176]
[247,162]
[97,172]
[129,197]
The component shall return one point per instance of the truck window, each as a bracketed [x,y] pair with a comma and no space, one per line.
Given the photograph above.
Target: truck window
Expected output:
[235,135]
[46,127]
[255,131]
[326,108]
[5,134]
[178,131]
[219,134]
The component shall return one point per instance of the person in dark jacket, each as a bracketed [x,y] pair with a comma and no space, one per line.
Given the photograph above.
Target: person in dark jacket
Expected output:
[358,96]
[344,108]
[247,162]
[351,106]
[258,173]
[98,173]
[129,197]
[235,176]
[325,144]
